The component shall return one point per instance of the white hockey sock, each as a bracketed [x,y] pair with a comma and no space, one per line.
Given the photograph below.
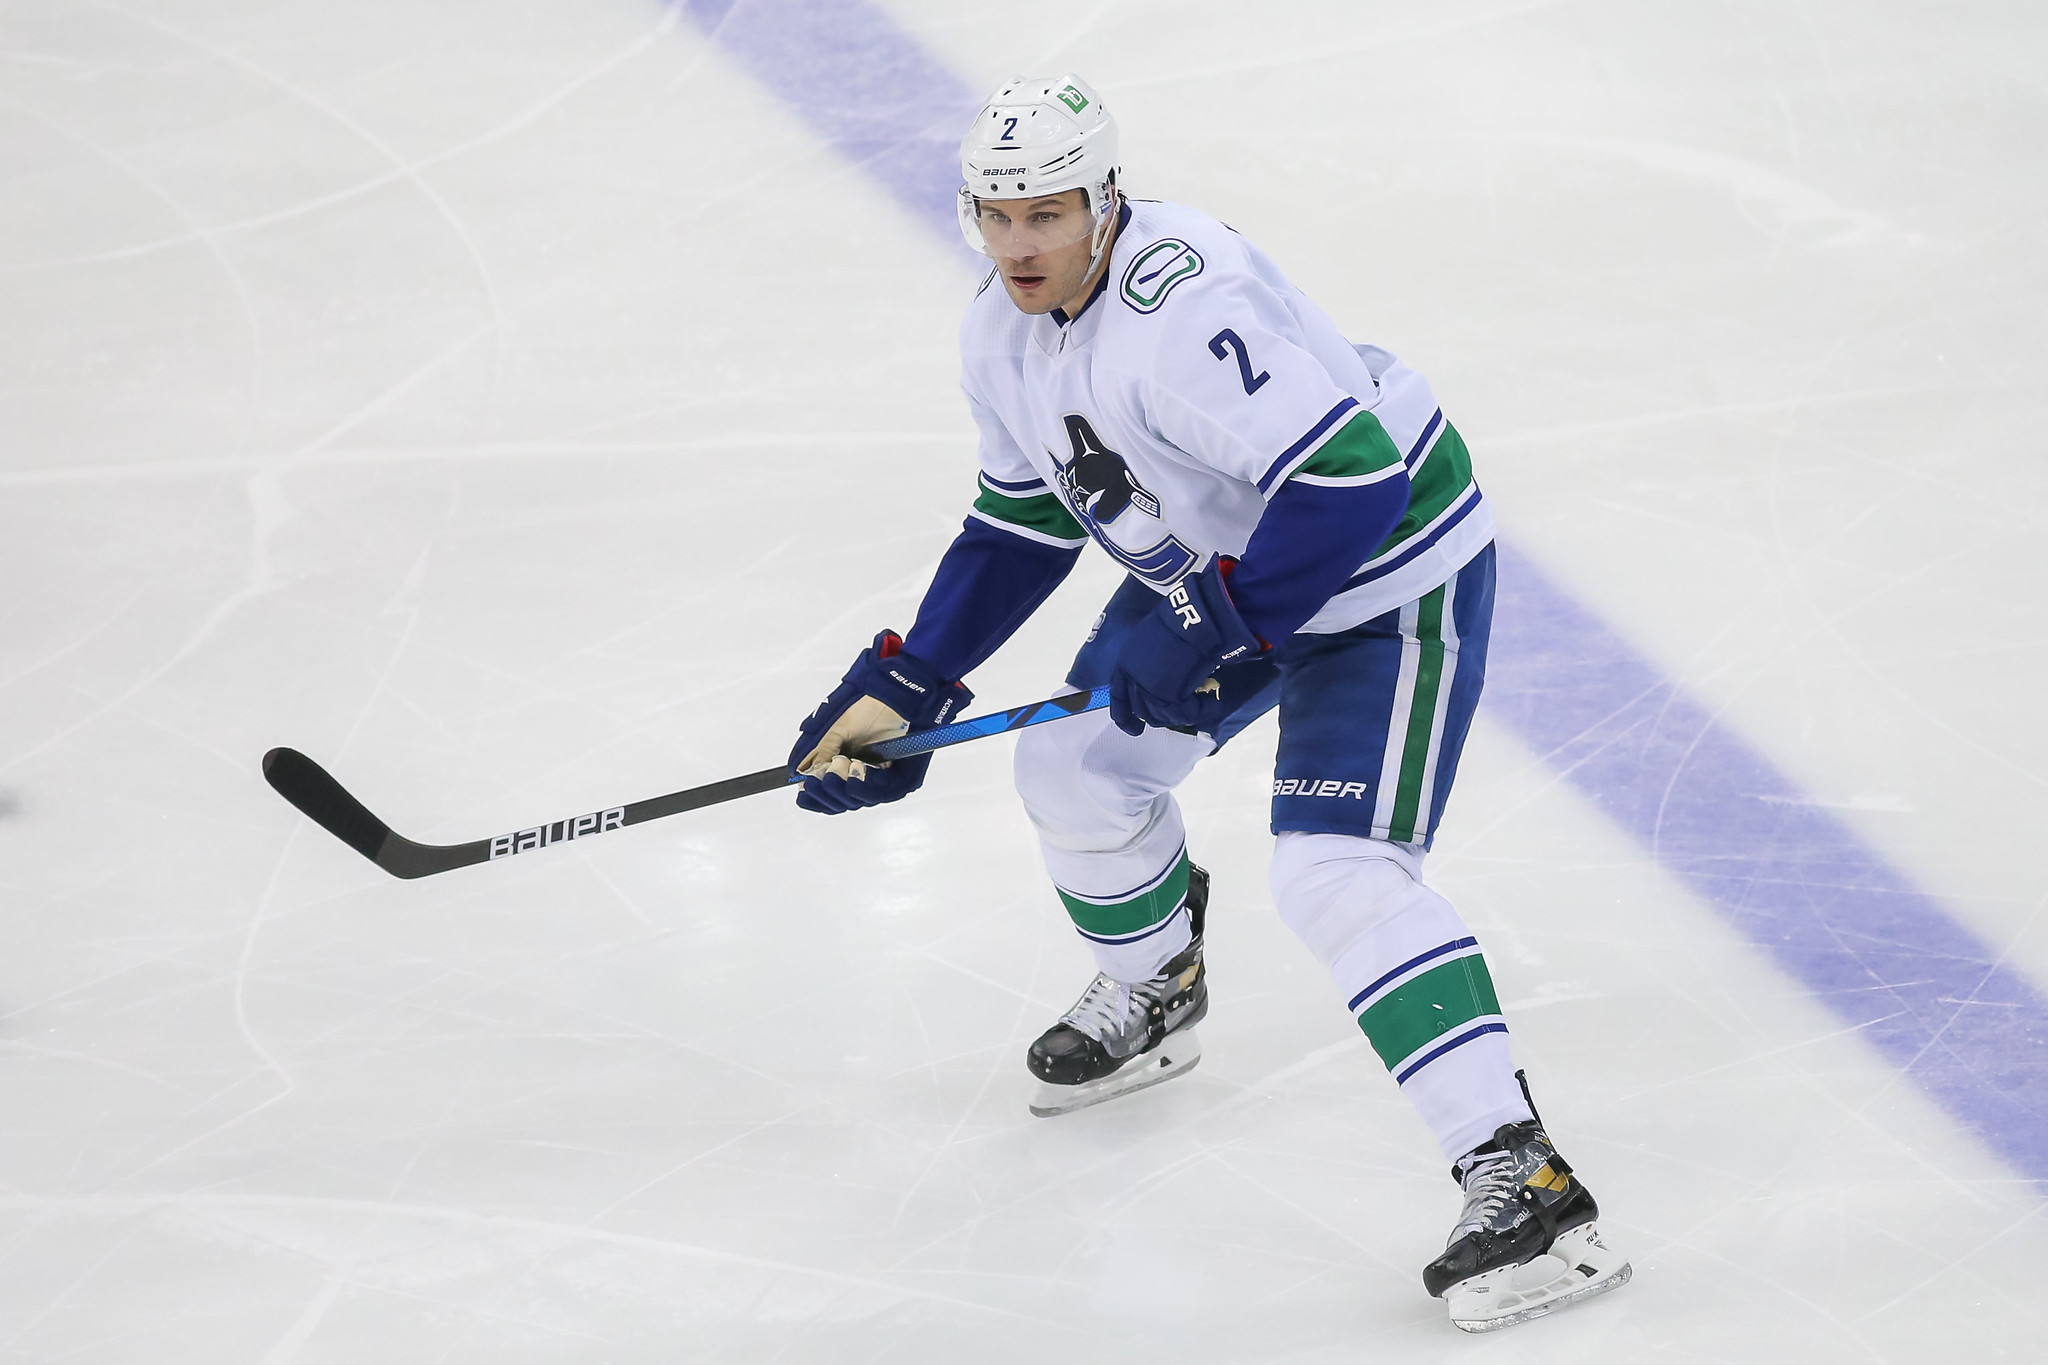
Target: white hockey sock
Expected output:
[1134,936]
[1112,835]
[1412,975]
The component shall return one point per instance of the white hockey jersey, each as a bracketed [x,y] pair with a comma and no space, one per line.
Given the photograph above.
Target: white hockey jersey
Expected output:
[1186,394]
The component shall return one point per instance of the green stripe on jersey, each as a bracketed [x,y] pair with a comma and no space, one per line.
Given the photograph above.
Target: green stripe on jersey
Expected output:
[1413,1014]
[1141,911]
[1041,512]
[1361,446]
[1442,478]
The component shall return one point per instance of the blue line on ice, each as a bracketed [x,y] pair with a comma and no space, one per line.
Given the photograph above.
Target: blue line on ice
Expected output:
[859,82]
[1796,881]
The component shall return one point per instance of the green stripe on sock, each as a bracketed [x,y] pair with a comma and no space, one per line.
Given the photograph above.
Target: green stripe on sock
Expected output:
[1044,513]
[1141,911]
[1441,999]
[1429,675]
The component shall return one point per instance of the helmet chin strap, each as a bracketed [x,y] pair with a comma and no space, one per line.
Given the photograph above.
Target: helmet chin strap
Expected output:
[1099,235]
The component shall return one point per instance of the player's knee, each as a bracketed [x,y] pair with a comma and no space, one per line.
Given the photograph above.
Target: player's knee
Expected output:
[1333,888]
[1048,772]
[1082,789]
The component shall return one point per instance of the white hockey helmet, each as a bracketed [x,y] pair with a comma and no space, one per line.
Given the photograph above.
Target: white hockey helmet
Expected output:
[1040,135]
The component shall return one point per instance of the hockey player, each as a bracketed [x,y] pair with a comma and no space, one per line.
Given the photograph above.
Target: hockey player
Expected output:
[1301,528]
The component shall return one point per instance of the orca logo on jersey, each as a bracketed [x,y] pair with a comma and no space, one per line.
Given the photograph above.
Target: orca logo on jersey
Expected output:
[1098,485]
[1098,482]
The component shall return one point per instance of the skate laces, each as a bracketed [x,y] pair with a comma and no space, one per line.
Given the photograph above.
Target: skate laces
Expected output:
[1103,1011]
[1490,1182]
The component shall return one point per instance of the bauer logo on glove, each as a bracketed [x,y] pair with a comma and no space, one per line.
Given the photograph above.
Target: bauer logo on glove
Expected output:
[882,696]
[1167,660]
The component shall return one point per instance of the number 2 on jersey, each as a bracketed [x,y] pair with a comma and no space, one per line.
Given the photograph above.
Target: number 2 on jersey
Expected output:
[1223,344]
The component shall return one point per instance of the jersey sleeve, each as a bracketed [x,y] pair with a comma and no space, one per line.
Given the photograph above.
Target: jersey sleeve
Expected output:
[1018,544]
[985,587]
[1011,495]
[1231,387]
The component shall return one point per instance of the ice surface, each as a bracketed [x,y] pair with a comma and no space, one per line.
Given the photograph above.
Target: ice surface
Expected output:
[521,410]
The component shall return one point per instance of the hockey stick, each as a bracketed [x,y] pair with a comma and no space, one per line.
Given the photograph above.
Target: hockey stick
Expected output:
[327,803]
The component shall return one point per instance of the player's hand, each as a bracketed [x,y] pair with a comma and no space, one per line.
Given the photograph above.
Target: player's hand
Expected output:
[860,726]
[882,696]
[1164,672]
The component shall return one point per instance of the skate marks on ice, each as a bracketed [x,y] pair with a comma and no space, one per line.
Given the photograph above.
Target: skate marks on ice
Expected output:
[450,1078]
[1832,912]
[1880,954]
[1176,1055]
[1579,1265]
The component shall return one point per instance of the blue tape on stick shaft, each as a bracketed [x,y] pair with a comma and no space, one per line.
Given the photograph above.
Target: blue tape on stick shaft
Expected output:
[995,723]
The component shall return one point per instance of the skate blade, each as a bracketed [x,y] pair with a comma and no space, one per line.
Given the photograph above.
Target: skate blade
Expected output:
[1174,1056]
[1578,1266]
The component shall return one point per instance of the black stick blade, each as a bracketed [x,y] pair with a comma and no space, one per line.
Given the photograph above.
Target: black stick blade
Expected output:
[324,801]
[314,791]
[308,786]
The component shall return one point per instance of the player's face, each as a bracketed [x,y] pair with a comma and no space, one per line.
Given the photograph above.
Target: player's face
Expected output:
[1040,248]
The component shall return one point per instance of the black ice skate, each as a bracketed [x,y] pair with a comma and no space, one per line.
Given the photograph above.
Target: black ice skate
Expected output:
[1527,1241]
[1120,1036]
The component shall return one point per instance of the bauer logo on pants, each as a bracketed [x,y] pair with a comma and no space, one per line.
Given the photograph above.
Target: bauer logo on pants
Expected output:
[561,831]
[1318,786]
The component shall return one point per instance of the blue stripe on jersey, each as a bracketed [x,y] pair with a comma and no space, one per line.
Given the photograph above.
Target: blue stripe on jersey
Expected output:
[1310,539]
[1416,546]
[1313,434]
[1005,486]
[1415,456]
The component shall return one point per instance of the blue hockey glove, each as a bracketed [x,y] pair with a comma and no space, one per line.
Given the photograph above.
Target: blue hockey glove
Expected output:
[885,693]
[1163,669]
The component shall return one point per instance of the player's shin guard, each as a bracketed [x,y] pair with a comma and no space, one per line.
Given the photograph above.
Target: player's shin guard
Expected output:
[1112,836]
[1412,975]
